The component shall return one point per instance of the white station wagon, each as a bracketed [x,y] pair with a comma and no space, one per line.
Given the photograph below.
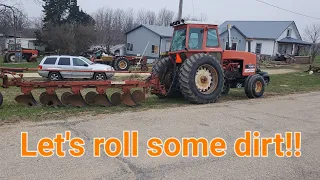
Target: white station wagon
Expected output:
[51,66]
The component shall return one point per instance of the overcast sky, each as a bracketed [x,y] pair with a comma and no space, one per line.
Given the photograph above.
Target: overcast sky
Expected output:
[217,11]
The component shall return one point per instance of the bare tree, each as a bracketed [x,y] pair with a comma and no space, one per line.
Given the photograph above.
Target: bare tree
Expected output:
[165,17]
[312,34]
[7,23]
[129,20]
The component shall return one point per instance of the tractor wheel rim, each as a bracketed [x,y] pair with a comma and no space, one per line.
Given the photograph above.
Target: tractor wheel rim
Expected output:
[99,77]
[54,77]
[258,87]
[206,79]
[123,64]
[12,58]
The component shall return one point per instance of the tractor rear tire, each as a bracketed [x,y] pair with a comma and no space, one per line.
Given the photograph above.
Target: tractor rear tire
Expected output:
[5,58]
[201,79]
[255,86]
[11,58]
[121,64]
[164,69]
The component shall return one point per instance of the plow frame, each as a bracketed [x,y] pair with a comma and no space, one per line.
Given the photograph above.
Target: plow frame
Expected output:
[151,84]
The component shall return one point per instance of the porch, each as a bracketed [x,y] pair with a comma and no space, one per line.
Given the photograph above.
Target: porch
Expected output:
[294,47]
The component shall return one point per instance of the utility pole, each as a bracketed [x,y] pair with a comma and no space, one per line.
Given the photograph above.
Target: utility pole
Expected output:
[180,10]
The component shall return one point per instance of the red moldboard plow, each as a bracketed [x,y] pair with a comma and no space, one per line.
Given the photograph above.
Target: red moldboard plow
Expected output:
[133,91]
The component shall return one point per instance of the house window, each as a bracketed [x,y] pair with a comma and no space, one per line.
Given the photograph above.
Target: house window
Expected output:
[130,47]
[233,47]
[154,49]
[289,32]
[258,48]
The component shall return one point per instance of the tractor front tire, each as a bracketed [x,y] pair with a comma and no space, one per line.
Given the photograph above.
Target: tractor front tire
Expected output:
[121,64]
[164,69]
[255,86]
[226,88]
[201,79]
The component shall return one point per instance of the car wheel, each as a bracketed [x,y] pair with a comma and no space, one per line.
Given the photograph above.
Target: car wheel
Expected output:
[55,76]
[100,77]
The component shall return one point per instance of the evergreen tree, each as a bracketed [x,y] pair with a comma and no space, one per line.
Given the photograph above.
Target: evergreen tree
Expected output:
[55,11]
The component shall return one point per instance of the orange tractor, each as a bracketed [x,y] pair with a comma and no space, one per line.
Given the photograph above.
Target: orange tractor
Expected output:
[200,70]
[29,55]
[196,68]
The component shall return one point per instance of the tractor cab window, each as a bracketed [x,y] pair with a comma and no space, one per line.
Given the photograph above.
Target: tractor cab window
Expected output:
[212,40]
[179,40]
[195,38]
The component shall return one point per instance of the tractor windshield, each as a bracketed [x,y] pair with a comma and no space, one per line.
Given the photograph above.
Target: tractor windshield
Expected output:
[179,40]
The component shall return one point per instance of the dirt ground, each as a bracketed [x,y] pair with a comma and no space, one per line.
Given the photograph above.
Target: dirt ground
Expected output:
[229,120]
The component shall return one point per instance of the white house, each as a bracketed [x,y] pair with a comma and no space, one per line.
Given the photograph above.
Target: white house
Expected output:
[264,37]
[25,43]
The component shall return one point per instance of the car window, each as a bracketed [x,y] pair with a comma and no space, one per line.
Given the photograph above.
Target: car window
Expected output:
[87,60]
[78,62]
[50,61]
[64,61]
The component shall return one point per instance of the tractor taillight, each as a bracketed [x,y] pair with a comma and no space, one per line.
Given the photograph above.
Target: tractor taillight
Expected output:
[39,67]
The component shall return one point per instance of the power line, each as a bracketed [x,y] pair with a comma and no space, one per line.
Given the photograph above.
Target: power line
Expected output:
[288,10]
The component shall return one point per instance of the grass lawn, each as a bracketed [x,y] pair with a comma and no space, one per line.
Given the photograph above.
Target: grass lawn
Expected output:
[11,111]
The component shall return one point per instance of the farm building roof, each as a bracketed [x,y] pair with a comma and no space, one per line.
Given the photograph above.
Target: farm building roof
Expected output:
[162,31]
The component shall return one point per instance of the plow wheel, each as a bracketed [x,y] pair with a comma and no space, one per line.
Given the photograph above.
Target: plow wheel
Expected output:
[64,98]
[201,79]
[50,100]
[1,99]
[90,97]
[76,100]
[26,99]
[102,100]
[164,69]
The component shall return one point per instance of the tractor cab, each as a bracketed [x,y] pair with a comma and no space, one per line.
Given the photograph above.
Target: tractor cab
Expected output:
[193,37]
